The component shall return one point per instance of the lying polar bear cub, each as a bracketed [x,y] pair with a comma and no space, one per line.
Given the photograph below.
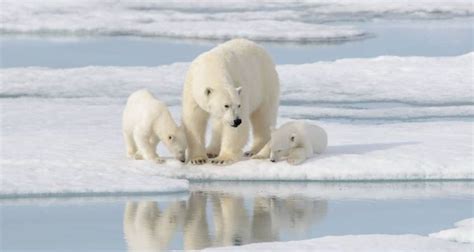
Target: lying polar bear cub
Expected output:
[295,140]
[146,121]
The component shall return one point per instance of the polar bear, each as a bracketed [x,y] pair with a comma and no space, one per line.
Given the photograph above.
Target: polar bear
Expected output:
[295,140]
[235,85]
[146,121]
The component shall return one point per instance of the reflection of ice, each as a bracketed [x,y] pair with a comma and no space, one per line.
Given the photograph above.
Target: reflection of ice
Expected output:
[148,227]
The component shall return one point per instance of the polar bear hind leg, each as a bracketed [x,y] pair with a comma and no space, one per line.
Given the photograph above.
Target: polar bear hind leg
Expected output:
[297,156]
[130,145]
[142,139]
[262,121]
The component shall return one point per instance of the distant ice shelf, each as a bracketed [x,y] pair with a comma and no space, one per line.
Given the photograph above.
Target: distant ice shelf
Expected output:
[291,21]
[383,88]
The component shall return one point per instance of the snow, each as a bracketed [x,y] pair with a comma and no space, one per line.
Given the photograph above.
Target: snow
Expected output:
[463,232]
[298,21]
[356,243]
[398,151]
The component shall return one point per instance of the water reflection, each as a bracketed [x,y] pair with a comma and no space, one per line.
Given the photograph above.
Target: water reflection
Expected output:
[211,219]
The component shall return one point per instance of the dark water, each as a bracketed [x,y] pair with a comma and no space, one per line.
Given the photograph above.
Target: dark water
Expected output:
[227,217]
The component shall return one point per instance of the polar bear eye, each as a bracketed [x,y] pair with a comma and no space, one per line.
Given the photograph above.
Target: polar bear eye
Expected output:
[226,106]
[238,106]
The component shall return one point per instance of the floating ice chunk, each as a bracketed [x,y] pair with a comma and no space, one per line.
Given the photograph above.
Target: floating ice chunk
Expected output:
[356,243]
[463,232]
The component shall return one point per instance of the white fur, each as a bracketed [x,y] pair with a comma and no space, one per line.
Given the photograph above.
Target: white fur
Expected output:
[297,141]
[146,121]
[238,72]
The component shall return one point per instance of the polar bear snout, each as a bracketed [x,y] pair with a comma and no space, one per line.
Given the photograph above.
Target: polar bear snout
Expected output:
[236,123]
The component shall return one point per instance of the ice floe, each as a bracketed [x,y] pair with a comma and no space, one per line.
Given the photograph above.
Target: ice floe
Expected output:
[463,232]
[370,242]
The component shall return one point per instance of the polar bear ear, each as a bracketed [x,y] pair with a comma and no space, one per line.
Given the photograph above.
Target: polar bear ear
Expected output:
[239,90]
[208,91]
[293,137]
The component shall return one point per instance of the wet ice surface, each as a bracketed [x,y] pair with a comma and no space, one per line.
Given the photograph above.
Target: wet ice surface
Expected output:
[221,214]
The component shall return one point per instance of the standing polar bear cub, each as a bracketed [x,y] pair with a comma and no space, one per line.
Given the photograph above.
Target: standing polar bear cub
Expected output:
[146,121]
[236,86]
[297,141]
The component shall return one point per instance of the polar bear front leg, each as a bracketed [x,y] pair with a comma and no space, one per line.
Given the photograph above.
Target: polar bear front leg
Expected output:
[142,139]
[297,156]
[233,141]
[195,122]
[215,146]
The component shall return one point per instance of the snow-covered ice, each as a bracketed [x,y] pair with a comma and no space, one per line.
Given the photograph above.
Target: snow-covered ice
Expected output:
[398,151]
[356,243]
[299,21]
[392,88]
[463,232]
[61,127]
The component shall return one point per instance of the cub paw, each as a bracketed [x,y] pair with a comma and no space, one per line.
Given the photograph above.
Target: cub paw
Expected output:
[294,161]
[158,160]
[137,156]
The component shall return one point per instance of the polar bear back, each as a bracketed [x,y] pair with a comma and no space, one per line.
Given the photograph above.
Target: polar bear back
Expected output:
[307,134]
[318,137]
[245,65]
[143,110]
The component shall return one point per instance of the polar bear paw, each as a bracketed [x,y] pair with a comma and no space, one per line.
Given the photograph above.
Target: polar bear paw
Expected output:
[259,157]
[158,160]
[222,161]
[211,155]
[137,156]
[198,161]
[295,161]
[249,153]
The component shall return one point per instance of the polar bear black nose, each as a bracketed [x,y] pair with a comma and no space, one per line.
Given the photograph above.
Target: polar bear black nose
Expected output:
[237,122]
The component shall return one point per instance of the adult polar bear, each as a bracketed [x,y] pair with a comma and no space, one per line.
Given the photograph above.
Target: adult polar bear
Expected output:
[234,85]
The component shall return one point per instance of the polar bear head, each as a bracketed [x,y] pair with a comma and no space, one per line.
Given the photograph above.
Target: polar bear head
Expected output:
[175,142]
[282,140]
[225,104]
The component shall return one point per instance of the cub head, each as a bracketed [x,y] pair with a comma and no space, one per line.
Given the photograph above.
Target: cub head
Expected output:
[225,104]
[281,142]
[176,143]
